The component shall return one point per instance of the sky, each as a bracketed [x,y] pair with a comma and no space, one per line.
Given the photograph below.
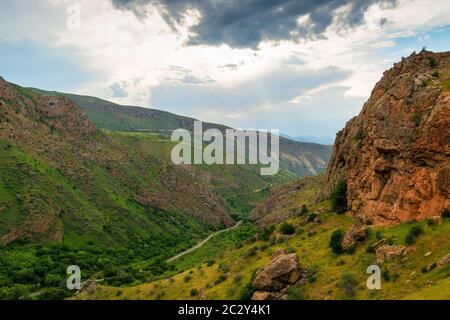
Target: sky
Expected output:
[304,67]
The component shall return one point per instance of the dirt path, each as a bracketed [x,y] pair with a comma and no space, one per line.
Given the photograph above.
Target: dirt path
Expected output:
[199,245]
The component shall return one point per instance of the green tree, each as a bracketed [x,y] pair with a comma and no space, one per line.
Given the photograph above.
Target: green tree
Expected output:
[336,242]
[287,228]
[339,197]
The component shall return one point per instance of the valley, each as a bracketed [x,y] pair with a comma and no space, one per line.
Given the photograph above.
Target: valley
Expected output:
[90,183]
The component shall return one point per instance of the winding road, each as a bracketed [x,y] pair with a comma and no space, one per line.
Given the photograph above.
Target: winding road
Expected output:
[200,244]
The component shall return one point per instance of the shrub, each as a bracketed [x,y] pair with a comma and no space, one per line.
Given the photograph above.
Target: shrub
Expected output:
[193,293]
[348,285]
[237,278]
[386,275]
[54,294]
[220,279]
[339,197]
[267,232]
[417,119]
[445,213]
[295,293]
[412,235]
[312,272]
[351,250]
[247,292]
[187,278]
[304,210]
[311,217]
[432,62]
[251,253]
[336,242]
[224,267]
[287,228]
[210,262]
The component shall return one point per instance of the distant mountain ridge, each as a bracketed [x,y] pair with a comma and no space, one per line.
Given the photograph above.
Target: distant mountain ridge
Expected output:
[325,140]
[300,158]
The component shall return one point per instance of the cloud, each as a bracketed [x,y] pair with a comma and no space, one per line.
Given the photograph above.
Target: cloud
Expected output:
[247,23]
[119,91]
[244,99]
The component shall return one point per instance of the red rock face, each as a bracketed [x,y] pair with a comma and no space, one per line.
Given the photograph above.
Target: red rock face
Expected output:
[395,156]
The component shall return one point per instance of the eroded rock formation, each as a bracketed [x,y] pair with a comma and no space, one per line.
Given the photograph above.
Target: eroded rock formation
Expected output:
[395,156]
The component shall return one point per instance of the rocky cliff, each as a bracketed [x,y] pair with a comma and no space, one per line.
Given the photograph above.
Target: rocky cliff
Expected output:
[395,156]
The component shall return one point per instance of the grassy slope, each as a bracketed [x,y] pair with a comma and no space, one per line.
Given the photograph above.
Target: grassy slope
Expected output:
[402,278]
[313,250]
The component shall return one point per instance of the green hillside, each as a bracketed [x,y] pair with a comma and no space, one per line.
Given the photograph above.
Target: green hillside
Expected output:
[224,268]
[299,158]
[110,202]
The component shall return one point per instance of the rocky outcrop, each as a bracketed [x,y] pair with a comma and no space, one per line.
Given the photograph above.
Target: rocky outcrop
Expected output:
[273,280]
[395,156]
[353,236]
[388,252]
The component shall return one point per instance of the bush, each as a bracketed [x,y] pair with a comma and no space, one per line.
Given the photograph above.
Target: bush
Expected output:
[348,285]
[432,62]
[445,213]
[339,197]
[287,228]
[417,119]
[267,232]
[251,253]
[220,279]
[237,278]
[187,278]
[351,250]
[336,242]
[210,262]
[54,294]
[295,293]
[224,267]
[247,292]
[193,293]
[304,210]
[311,217]
[412,235]
[311,273]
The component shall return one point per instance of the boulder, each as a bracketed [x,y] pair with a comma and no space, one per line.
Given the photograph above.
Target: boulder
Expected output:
[389,252]
[282,271]
[354,236]
[444,261]
[262,295]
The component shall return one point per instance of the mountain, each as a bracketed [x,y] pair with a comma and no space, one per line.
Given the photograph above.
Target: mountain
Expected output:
[395,155]
[299,158]
[390,168]
[64,180]
[110,202]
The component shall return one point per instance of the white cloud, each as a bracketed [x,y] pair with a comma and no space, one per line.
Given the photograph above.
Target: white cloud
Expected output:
[144,54]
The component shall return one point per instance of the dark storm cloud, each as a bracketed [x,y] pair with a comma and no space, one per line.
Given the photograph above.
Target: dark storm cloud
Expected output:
[245,23]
